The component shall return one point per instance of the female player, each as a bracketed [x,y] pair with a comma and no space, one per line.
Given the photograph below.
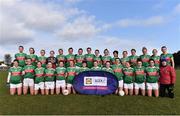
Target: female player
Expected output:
[49,79]
[69,57]
[39,78]
[96,67]
[61,56]
[128,79]
[32,56]
[28,74]
[133,58]
[117,68]
[79,58]
[145,57]
[42,58]
[21,56]
[89,57]
[71,72]
[155,57]
[15,77]
[139,83]
[106,57]
[152,76]
[60,78]
[167,56]
[98,58]
[108,67]
[84,67]
[125,58]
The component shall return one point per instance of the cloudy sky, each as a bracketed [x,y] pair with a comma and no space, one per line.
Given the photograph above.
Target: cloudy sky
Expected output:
[113,24]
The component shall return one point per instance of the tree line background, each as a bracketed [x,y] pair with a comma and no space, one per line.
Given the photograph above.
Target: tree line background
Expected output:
[177,59]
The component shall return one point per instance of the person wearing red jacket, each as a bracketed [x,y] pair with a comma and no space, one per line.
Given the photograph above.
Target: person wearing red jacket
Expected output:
[167,79]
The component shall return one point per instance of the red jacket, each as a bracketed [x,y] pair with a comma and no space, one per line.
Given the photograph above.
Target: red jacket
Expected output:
[167,75]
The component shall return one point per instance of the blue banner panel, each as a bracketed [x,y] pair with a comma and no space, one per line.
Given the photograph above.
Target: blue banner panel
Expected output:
[95,83]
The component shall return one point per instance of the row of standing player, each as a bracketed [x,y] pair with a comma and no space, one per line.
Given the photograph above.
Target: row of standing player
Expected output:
[90,58]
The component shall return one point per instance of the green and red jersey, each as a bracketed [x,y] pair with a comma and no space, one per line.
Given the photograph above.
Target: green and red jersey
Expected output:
[39,75]
[42,59]
[105,59]
[79,60]
[60,73]
[168,58]
[133,60]
[50,74]
[21,58]
[139,74]
[96,68]
[145,60]
[152,74]
[16,75]
[29,71]
[108,70]
[69,57]
[113,60]
[90,59]
[98,59]
[71,73]
[83,69]
[61,57]
[156,59]
[124,60]
[128,75]
[34,58]
[118,71]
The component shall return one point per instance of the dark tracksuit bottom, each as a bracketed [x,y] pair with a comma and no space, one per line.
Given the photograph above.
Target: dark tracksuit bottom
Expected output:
[169,88]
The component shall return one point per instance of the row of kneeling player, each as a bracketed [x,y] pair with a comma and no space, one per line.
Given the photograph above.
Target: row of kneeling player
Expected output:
[130,79]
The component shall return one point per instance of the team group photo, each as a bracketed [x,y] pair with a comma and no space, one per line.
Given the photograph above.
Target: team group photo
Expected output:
[89,57]
[55,74]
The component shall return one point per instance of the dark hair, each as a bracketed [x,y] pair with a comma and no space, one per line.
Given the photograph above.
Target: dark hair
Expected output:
[32,49]
[80,49]
[163,47]
[84,62]
[115,51]
[97,50]
[144,48]
[70,48]
[43,51]
[139,60]
[106,50]
[61,61]
[52,51]
[39,62]
[14,61]
[60,49]
[21,47]
[151,60]
[95,61]
[133,50]
[89,48]
[124,52]
[117,59]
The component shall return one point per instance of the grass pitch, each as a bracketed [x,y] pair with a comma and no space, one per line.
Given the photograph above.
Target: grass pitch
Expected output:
[86,104]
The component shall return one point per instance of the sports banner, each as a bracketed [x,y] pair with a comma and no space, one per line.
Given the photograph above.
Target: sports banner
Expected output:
[95,83]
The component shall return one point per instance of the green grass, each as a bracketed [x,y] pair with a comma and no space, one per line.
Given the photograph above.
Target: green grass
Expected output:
[84,104]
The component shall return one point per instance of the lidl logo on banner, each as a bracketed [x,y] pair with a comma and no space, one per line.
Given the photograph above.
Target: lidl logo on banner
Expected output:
[95,81]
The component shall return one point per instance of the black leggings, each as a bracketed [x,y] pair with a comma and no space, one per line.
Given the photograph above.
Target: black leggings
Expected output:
[169,88]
